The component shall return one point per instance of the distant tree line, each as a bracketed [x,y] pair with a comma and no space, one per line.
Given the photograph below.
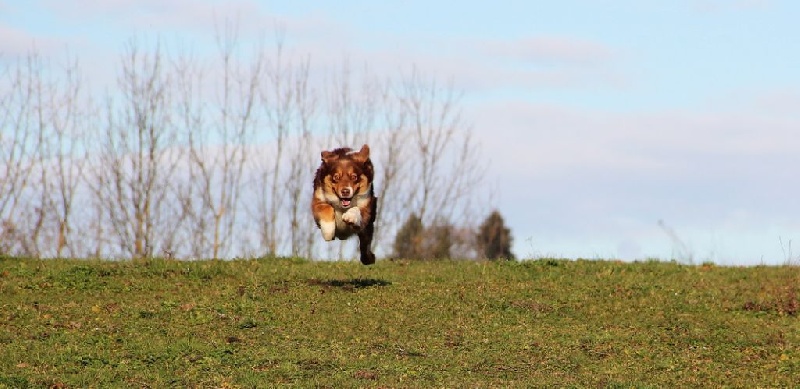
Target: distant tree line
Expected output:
[491,240]
[212,156]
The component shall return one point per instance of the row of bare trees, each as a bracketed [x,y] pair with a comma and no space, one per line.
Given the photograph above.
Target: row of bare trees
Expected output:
[41,163]
[211,155]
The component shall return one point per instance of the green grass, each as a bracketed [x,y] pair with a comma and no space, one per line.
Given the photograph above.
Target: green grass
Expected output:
[272,323]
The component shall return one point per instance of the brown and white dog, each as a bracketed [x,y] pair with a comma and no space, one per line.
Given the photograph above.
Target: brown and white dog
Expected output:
[344,203]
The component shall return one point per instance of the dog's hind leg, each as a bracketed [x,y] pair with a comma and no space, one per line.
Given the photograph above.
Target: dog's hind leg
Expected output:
[365,235]
[365,241]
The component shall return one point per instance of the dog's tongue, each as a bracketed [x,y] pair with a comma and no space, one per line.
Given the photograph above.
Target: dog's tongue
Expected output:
[345,202]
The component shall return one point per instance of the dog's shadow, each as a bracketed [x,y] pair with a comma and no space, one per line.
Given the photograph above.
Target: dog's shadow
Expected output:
[352,284]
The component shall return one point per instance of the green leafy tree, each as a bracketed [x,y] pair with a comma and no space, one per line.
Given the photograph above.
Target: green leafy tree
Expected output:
[408,241]
[494,238]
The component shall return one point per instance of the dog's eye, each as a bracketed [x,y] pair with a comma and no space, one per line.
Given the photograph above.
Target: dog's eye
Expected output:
[336,177]
[353,177]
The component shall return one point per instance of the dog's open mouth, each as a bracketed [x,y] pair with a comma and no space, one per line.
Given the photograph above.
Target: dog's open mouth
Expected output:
[346,202]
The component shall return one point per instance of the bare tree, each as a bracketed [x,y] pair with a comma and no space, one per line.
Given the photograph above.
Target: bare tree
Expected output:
[391,141]
[289,105]
[190,116]
[300,163]
[40,115]
[441,150]
[67,109]
[278,104]
[353,105]
[20,138]
[216,111]
[427,160]
[134,168]
[218,139]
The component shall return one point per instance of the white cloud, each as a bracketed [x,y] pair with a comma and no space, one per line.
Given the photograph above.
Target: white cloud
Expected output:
[667,142]
[485,70]
[553,50]
[572,178]
[549,61]
[193,19]
[779,102]
[144,15]
[15,42]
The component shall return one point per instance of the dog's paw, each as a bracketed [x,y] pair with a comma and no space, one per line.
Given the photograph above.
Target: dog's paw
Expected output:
[352,217]
[328,230]
[368,258]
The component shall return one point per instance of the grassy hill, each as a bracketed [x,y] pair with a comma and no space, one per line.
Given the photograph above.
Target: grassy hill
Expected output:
[266,323]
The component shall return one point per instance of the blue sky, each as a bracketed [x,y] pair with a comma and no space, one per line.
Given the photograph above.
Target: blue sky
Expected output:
[598,118]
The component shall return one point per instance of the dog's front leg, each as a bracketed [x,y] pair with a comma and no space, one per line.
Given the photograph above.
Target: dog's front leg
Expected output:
[353,218]
[325,217]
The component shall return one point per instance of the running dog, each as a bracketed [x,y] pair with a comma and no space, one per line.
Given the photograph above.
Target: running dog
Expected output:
[344,202]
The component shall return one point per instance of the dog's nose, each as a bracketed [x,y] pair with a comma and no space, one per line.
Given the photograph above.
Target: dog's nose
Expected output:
[346,192]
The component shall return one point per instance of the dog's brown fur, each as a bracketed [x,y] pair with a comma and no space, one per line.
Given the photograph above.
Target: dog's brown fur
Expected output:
[344,202]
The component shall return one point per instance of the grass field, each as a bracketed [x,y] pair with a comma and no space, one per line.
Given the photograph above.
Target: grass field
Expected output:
[271,323]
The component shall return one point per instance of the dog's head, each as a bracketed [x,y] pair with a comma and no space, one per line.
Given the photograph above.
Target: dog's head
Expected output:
[347,173]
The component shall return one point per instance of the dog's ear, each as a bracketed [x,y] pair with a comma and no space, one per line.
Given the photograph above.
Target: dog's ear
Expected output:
[328,157]
[362,155]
